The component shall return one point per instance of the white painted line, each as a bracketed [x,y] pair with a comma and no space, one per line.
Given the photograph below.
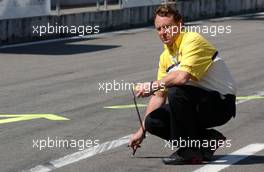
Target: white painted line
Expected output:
[39,168]
[89,152]
[232,158]
[77,156]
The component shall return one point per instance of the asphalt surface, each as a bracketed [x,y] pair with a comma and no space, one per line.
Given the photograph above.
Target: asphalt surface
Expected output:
[63,78]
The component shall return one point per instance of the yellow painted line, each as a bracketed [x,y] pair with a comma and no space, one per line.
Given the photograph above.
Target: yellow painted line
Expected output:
[144,105]
[124,106]
[25,117]
[249,97]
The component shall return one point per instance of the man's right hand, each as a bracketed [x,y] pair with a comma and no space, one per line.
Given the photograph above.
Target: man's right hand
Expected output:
[155,102]
[136,139]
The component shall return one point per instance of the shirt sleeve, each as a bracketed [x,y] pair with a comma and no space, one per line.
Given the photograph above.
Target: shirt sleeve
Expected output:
[196,58]
[162,68]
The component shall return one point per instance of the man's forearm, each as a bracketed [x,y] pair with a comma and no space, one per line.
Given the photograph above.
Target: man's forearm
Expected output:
[172,79]
[155,102]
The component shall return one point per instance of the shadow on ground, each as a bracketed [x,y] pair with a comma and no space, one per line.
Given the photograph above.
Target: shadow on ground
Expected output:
[69,47]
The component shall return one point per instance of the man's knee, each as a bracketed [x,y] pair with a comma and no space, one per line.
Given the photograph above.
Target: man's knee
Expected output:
[176,92]
[172,91]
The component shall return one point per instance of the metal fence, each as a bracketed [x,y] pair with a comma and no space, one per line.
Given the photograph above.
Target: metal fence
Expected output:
[64,6]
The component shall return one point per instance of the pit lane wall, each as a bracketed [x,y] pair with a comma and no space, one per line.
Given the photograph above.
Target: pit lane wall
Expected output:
[22,29]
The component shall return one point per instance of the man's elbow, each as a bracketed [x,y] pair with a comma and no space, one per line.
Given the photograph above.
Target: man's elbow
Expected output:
[184,78]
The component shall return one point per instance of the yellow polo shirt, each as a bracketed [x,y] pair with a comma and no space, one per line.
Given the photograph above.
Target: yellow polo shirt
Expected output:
[192,51]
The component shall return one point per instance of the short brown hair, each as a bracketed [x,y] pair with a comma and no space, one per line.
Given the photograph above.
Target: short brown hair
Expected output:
[167,11]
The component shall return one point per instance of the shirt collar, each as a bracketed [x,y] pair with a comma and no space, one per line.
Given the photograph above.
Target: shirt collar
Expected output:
[176,44]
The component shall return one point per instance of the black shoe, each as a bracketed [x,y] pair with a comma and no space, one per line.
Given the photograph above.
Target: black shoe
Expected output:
[184,156]
[208,152]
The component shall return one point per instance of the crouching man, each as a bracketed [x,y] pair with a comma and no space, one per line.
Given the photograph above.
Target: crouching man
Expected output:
[200,90]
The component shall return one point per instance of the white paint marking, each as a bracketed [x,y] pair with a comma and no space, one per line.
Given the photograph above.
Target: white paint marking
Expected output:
[77,156]
[89,152]
[39,168]
[232,158]
[220,161]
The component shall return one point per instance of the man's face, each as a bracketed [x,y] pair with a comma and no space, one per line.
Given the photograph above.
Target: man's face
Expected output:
[168,30]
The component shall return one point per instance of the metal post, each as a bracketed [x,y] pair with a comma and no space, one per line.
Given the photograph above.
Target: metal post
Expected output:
[105,4]
[97,5]
[120,4]
[58,7]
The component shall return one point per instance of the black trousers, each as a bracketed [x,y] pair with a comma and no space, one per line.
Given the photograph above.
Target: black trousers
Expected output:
[189,113]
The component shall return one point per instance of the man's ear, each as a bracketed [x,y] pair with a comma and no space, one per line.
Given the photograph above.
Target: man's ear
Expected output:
[180,23]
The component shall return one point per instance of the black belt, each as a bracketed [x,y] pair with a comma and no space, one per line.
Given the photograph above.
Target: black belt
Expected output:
[214,56]
[173,65]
